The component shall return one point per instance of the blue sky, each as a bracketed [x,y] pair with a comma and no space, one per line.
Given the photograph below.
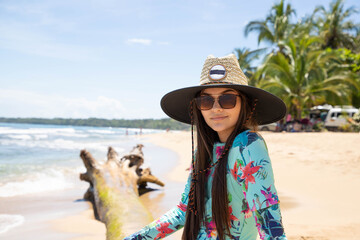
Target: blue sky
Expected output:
[115,59]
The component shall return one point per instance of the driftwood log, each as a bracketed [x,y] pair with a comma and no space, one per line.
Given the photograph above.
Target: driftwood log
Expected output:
[114,191]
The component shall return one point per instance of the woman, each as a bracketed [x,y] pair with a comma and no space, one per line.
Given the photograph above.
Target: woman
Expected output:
[230,192]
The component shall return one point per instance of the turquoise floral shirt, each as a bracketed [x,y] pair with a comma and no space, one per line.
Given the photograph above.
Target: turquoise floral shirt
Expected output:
[253,200]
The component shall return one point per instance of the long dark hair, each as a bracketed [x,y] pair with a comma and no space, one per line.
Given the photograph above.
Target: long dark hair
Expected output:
[206,137]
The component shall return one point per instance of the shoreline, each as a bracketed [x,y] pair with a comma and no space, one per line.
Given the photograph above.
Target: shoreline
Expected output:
[158,202]
[38,211]
[179,143]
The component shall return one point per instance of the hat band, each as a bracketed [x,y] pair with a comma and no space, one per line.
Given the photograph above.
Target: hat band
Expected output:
[216,82]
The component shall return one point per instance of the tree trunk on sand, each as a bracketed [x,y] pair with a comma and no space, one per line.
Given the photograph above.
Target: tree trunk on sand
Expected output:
[114,191]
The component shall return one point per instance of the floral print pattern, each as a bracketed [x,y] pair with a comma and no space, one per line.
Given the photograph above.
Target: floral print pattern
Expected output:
[253,201]
[247,173]
[219,150]
[271,198]
[182,207]
[163,230]
[210,229]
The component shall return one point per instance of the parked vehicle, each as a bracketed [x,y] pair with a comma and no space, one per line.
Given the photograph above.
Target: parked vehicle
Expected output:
[337,116]
[319,112]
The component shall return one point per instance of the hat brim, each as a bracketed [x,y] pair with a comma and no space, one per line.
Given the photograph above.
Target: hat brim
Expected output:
[269,108]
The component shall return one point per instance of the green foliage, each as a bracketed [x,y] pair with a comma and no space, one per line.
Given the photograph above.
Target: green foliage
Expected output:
[334,27]
[346,127]
[165,123]
[350,58]
[304,77]
[319,127]
[355,122]
[246,57]
[275,28]
[262,174]
[356,117]
[312,61]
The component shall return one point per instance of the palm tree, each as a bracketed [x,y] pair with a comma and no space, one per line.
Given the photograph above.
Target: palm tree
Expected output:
[305,77]
[275,28]
[246,58]
[357,42]
[334,26]
[305,26]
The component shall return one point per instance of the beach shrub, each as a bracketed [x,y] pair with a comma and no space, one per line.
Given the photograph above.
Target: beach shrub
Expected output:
[319,127]
[355,122]
[345,127]
[352,125]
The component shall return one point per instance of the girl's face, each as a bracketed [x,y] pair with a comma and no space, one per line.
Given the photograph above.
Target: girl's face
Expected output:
[221,120]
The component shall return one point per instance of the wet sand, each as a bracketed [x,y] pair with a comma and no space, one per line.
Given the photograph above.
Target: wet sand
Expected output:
[39,211]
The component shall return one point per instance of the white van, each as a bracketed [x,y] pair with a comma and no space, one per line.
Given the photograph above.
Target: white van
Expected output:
[337,116]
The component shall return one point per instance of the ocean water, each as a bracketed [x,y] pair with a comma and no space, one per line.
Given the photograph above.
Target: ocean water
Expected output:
[39,159]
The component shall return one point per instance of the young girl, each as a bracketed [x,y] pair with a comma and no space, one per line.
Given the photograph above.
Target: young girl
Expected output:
[230,192]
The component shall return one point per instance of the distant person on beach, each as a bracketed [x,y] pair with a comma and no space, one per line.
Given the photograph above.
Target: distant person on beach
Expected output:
[230,192]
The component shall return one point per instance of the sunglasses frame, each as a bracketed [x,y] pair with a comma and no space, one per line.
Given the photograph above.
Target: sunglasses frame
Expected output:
[197,100]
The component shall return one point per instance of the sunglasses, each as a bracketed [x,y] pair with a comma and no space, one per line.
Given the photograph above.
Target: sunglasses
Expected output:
[206,102]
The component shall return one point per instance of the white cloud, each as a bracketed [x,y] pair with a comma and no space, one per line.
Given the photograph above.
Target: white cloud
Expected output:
[20,103]
[146,42]
[139,41]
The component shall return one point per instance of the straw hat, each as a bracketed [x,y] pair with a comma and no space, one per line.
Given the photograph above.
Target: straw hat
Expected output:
[223,72]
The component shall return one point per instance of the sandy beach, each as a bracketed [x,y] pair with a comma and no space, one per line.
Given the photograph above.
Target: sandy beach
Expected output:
[317,177]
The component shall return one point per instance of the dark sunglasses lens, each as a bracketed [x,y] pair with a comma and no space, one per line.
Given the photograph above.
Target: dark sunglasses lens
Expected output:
[227,101]
[204,102]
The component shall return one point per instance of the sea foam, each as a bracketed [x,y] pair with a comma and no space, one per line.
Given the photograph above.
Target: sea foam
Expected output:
[10,221]
[20,136]
[49,180]
[56,144]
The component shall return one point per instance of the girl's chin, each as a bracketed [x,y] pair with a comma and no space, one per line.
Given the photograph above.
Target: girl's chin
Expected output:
[217,128]
[221,130]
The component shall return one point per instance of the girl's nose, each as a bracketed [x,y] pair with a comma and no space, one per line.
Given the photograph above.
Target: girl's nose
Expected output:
[216,105]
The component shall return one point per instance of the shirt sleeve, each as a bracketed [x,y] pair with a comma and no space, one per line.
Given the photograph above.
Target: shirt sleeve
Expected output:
[269,224]
[168,223]
[255,174]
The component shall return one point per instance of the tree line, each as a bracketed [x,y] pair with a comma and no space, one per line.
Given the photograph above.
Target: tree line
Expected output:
[309,61]
[165,123]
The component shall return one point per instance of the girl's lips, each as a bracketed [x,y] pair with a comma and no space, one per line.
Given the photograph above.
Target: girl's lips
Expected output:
[218,118]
